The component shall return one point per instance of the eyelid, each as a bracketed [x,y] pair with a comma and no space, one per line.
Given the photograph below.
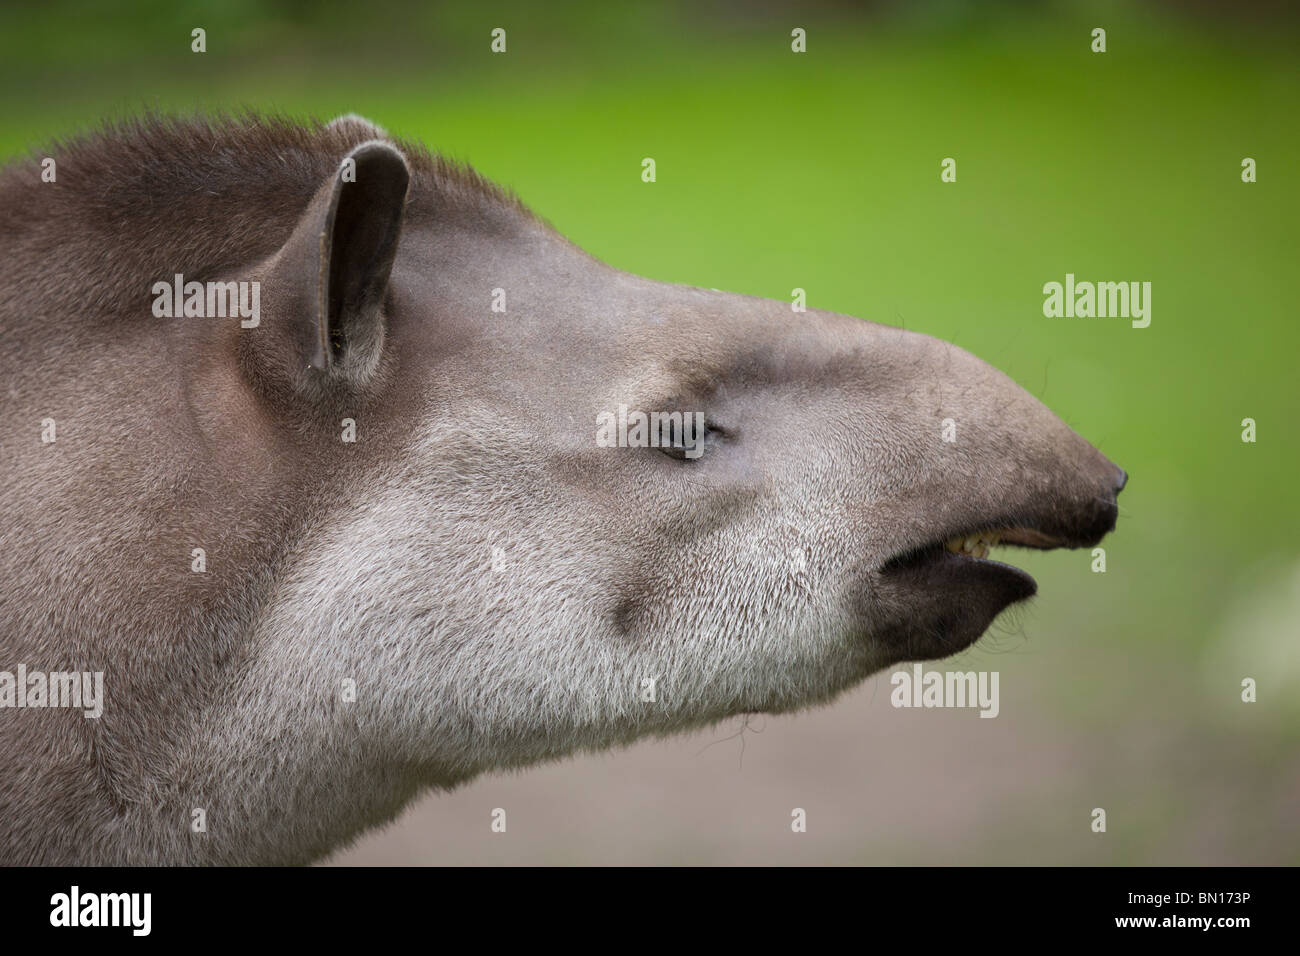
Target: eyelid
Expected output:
[713,434]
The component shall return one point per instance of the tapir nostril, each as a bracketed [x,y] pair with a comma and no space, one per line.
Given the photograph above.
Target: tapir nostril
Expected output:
[1120,480]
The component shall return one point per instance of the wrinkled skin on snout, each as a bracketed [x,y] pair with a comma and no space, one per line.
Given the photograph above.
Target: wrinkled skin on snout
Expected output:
[475,583]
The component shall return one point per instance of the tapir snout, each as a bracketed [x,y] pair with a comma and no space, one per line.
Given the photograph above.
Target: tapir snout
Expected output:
[974,462]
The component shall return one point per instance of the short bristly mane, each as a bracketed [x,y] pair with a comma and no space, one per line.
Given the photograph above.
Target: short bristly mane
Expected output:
[147,197]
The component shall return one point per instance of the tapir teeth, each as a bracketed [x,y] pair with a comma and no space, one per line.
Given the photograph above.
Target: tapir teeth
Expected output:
[976,545]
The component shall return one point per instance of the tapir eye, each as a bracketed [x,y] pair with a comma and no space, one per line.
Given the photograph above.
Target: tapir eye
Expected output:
[692,446]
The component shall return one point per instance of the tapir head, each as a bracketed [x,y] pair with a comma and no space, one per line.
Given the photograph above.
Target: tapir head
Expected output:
[516,571]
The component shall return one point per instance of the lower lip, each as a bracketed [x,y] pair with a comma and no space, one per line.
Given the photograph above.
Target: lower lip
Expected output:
[940,560]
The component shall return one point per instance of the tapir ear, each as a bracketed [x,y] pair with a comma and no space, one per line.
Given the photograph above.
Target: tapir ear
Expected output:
[333,272]
[352,123]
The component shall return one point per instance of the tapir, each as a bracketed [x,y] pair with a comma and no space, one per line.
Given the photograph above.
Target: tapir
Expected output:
[352,538]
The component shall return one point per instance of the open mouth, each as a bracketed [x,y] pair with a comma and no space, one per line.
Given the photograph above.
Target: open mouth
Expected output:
[976,545]
[944,593]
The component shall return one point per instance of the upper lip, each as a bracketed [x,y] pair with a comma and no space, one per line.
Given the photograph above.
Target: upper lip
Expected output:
[1055,526]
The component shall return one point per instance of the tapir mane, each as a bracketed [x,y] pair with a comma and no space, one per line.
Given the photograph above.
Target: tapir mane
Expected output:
[143,198]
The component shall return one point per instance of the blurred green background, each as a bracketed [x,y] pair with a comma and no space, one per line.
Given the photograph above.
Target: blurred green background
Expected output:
[822,170]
